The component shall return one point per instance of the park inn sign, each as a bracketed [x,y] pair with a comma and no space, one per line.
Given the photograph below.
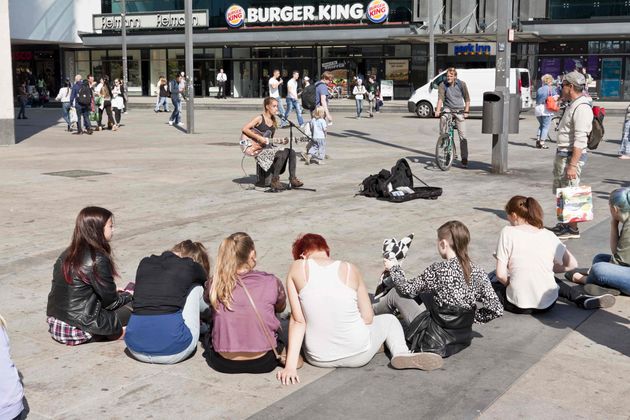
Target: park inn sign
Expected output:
[376,11]
[160,20]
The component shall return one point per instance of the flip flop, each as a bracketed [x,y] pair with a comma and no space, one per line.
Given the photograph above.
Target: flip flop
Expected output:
[569,274]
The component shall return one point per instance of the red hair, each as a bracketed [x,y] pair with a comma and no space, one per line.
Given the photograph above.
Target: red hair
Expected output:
[307,243]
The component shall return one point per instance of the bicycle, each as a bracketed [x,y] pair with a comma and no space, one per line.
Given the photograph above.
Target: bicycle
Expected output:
[445,150]
[552,133]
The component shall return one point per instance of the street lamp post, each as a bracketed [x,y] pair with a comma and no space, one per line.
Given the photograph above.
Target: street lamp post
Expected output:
[123,22]
[431,64]
[190,105]
[502,77]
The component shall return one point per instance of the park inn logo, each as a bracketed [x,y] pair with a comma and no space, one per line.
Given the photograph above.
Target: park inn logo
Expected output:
[377,11]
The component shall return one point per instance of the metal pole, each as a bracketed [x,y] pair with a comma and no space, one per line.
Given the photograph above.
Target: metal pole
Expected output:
[123,22]
[502,77]
[190,105]
[431,64]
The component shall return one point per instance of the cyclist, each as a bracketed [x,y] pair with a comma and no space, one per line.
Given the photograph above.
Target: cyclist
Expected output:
[453,96]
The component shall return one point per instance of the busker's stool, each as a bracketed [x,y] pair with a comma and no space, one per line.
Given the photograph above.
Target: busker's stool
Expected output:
[264,178]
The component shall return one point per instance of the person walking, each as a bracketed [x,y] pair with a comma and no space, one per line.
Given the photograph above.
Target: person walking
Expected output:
[359,93]
[162,95]
[453,96]
[221,81]
[292,97]
[275,81]
[573,131]
[105,93]
[64,97]
[22,97]
[176,98]
[624,147]
[317,150]
[81,99]
[322,95]
[118,104]
[542,112]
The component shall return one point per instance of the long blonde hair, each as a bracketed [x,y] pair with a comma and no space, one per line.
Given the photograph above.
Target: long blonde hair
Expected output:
[233,254]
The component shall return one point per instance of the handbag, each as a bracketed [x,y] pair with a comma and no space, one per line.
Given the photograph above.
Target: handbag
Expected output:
[73,115]
[574,204]
[551,103]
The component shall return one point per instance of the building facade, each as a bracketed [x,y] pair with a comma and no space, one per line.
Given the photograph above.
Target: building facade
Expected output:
[386,38]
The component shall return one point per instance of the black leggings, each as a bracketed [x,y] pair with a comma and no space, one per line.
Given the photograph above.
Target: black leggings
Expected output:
[107,107]
[280,161]
[500,290]
[265,364]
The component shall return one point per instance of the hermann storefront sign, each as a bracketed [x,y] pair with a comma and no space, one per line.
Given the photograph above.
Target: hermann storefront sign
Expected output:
[376,11]
[160,20]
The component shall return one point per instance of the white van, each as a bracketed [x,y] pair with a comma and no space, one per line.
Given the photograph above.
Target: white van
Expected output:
[424,99]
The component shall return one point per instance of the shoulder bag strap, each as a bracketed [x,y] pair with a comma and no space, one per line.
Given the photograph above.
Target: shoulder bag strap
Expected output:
[260,320]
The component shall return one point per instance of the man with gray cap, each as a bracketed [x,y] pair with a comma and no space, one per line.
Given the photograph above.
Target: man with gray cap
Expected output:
[575,126]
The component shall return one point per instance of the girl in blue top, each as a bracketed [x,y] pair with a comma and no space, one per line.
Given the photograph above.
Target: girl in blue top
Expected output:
[317,151]
[543,114]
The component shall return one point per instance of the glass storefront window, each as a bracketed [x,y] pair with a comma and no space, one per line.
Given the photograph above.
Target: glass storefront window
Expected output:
[336,51]
[261,52]
[82,56]
[157,65]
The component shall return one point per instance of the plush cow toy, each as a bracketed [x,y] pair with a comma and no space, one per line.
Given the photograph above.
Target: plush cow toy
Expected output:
[392,250]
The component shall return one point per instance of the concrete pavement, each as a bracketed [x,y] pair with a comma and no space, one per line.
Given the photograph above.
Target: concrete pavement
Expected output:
[165,186]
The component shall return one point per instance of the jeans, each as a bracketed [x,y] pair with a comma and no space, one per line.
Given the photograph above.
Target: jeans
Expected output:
[192,308]
[83,112]
[293,103]
[280,161]
[624,148]
[318,148]
[161,102]
[384,329]
[65,111]
[281,113]
[543,127]
[359,103]
[22,113]
[461,129]
[607,274]
[177,109]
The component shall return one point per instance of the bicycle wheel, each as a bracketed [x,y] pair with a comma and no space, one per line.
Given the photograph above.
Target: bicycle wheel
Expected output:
[444,152]
[552,134]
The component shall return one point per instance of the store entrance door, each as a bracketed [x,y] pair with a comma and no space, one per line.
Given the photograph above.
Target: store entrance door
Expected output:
[611,79]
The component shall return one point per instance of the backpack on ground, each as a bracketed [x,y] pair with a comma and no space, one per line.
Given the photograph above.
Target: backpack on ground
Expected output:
[397,185]
[309,96]
[84,97]
[597,131]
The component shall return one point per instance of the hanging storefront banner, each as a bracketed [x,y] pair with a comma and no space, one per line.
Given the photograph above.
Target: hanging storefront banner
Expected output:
[377,11]
[161,20]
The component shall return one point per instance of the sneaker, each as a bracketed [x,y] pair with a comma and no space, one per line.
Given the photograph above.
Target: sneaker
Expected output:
[597,290]
[422,361]
[595,302]
[319,162]
[181,124]
[307,158]
[170,122]
[569,233]
[558,228]
[77,132]
[90,132]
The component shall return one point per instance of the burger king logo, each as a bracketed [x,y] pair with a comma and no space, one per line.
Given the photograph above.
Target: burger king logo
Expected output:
[235,16]
[377,11]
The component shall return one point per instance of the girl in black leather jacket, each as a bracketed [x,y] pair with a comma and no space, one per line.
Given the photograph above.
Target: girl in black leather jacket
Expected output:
[84,303]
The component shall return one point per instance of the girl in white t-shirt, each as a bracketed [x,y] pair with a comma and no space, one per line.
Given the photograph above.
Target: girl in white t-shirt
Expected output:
[527,256]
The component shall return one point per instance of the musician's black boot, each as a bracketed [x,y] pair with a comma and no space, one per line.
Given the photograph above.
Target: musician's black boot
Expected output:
[295,183]
[276,184]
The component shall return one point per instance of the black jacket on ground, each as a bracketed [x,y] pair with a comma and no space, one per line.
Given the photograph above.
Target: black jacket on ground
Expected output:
[87,306]
[163,282]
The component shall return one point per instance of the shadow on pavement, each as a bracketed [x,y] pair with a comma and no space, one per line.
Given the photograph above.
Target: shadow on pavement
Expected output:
[39,119]
[498,212]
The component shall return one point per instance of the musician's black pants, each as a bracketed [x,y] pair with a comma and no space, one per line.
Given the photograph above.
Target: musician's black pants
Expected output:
[280,161]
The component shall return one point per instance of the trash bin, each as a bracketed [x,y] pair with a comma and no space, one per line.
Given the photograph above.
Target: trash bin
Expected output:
[515,112]
[492,112]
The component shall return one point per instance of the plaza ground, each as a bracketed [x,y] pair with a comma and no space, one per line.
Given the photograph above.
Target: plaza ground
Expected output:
[165,186]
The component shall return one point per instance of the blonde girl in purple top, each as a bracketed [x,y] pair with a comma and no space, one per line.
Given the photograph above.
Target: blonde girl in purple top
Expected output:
[239,345]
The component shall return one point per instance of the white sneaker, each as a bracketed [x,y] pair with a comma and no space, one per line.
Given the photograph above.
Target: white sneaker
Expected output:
[181,124]
[422,361]
[170,123]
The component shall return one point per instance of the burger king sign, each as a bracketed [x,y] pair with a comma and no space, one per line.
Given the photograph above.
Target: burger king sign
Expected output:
[235,16]
[377,11]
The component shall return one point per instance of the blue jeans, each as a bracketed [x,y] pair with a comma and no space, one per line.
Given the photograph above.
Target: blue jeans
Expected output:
[65,110]
[281,113]
[83,111]
[293,103]
[318,148]
[543,126]
[607,274]
[624,148]
[161,102]
[192,308]
[359,106]
[177,108]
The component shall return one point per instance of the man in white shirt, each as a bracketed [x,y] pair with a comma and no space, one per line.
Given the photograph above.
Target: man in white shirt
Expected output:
[573,130]
[221,79]
[274,91]
[292,97]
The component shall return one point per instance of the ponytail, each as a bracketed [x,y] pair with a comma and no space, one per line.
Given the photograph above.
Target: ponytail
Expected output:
[526,208]
[458,237]
[233,254]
